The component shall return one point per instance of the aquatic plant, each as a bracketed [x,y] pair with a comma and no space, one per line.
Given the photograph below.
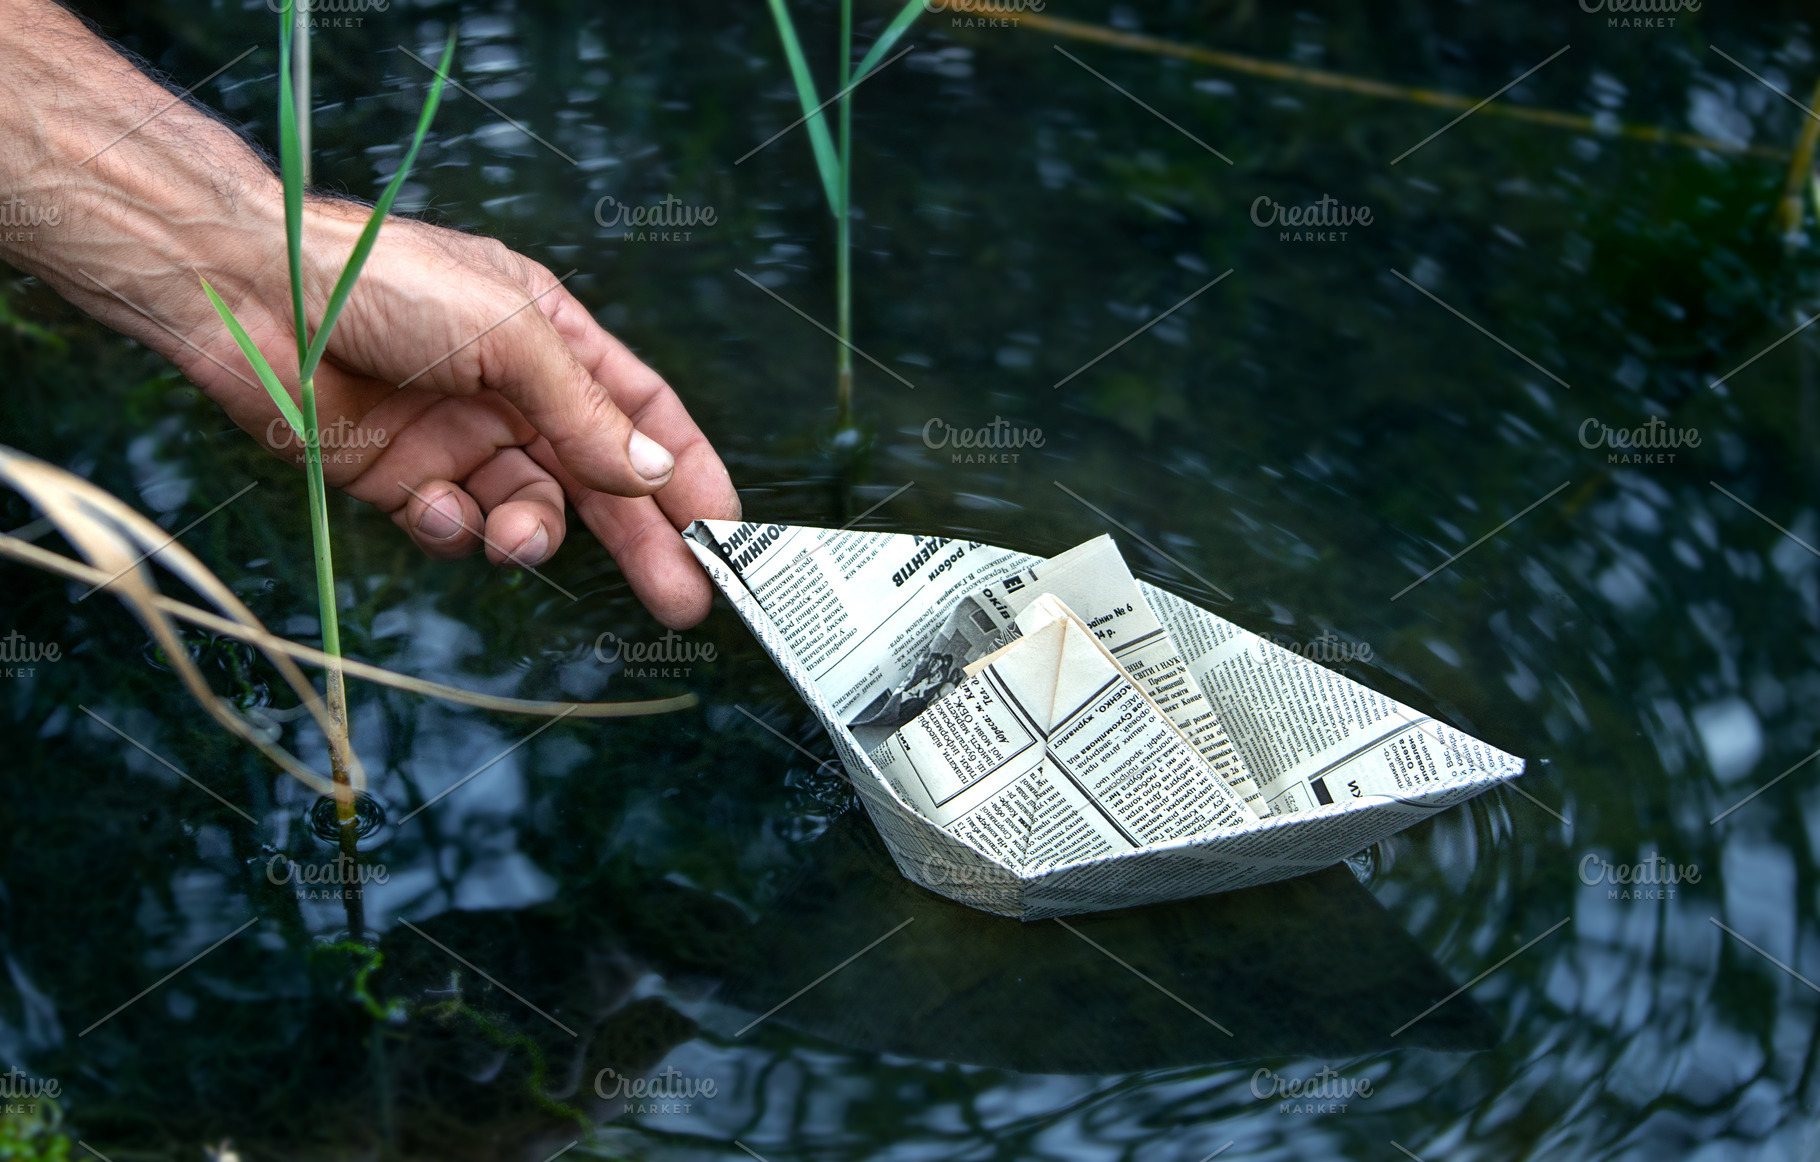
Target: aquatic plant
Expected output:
[302,420]
[29,1132]
[835,164]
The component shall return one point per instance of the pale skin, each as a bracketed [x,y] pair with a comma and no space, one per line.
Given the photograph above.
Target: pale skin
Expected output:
[513,397]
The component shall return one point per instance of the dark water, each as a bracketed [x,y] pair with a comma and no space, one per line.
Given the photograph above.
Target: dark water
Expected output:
[1311,434]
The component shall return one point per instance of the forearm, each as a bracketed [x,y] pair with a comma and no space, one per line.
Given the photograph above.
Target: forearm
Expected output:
[116,194]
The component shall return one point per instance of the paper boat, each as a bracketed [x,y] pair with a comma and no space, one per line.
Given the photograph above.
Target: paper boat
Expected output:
[839,643]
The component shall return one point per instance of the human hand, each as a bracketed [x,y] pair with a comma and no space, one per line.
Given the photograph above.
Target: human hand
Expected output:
[492,389]
[465,391]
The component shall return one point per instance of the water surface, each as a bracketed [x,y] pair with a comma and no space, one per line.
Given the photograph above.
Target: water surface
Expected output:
[1311,434]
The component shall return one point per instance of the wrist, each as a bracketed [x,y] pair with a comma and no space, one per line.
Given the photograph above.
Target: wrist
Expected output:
[133,253]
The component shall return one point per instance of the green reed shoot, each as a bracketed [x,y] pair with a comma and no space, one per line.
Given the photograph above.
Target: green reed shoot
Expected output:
[836,165]
[310,348]
[300,80]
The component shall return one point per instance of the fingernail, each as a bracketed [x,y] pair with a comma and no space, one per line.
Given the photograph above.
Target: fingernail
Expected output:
[534,549]
[649,459]
[441,517]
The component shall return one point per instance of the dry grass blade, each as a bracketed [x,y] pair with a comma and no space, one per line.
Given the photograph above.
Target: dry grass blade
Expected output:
[118,542]
[119,545]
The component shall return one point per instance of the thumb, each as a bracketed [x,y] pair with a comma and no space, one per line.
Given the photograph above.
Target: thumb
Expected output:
[528,362]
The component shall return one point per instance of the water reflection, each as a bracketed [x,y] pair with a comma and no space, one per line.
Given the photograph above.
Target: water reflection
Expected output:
[1311,435]
[1309,967]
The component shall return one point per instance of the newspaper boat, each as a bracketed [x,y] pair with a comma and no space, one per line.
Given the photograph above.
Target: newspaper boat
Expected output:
[1044,737]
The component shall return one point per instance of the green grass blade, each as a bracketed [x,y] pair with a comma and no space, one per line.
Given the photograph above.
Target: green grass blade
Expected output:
[892,34]
[345,284]
[826,160]
[843,229]
[290,167]
[261,368]
[319,544]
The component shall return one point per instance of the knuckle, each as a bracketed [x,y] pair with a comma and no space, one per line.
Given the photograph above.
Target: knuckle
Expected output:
[499,256]
[596,410]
